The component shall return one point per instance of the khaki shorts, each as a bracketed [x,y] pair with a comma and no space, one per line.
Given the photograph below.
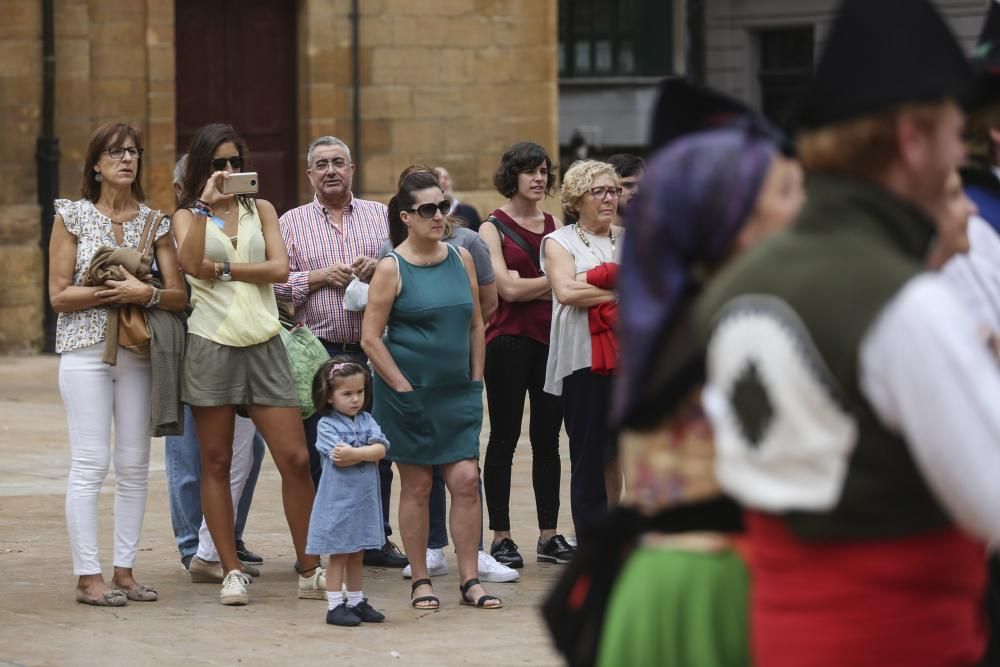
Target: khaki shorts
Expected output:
[215,374]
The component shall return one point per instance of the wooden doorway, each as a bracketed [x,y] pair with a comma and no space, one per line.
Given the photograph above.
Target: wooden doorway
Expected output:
[236,65]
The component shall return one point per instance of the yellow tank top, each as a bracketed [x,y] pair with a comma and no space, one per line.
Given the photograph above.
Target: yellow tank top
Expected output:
[234,313]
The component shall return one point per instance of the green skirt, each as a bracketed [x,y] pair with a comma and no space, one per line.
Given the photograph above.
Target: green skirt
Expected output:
[673,608]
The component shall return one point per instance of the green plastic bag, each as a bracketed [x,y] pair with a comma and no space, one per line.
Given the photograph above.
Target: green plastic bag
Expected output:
[305,355]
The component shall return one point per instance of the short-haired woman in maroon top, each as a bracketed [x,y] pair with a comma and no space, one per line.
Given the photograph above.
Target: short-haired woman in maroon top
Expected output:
[517,344]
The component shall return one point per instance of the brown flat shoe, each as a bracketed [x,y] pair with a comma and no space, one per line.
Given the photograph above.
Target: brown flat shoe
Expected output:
[112,598]
[141,594]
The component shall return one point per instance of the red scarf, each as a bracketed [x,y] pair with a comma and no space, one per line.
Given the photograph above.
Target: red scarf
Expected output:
[603,318]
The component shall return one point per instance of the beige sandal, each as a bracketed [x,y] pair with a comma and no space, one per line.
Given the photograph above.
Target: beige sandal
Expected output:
[111,598]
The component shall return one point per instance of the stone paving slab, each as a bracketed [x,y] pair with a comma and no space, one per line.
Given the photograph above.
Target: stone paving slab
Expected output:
[40,624]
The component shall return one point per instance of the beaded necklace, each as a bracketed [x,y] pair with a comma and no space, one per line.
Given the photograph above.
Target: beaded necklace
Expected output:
[586,242]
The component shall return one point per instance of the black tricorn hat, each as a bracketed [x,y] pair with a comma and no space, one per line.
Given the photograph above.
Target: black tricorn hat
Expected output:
[986,57]
[683,106]
[882,53]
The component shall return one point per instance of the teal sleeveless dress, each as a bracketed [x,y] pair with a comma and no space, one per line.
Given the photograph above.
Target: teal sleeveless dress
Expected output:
[428,337]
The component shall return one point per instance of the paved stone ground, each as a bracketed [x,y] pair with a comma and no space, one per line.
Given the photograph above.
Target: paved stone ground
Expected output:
[40,624]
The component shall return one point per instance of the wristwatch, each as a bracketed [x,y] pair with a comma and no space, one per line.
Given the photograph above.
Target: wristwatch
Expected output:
[225,276]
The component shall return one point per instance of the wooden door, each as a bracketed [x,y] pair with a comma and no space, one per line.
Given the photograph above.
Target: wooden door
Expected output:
[236,65]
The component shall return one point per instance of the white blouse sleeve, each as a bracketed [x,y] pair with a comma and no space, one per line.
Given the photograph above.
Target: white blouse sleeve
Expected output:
[929,377]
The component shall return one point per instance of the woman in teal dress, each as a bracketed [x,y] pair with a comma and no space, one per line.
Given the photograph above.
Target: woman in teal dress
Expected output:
[423,333]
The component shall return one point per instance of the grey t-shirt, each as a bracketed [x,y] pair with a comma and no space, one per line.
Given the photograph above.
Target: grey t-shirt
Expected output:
[462,237]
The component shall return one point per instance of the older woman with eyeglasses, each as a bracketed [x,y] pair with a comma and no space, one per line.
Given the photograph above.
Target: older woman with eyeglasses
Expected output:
[112,215]
[581,261]
[428,383]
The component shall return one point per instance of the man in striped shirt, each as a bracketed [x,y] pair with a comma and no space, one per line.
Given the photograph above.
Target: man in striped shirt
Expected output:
[331,240]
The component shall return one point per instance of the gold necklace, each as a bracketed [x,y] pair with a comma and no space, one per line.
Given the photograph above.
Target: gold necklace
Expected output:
[586,241]
[430,260]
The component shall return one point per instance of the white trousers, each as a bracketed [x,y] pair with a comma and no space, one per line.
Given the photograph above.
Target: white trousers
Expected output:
[95,394]
[239,471]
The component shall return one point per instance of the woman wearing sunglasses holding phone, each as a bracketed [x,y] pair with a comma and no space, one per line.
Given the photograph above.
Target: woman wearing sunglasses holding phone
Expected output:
[230,248]
[428,384]
[581,262]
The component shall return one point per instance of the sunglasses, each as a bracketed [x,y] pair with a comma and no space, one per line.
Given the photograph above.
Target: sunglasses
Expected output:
[428,210]
[236,162]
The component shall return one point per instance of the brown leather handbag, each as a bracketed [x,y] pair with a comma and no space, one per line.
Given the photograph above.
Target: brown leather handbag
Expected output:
[126,325]
[133,330]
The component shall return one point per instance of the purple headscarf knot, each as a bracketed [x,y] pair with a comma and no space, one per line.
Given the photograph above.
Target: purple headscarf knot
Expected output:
[697,194]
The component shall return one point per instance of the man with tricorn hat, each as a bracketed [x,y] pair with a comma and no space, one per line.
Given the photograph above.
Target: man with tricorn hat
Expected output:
[852,398]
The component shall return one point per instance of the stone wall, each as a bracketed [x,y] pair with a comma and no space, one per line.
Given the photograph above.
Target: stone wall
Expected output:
[20,98]
[451,82]
[114,61]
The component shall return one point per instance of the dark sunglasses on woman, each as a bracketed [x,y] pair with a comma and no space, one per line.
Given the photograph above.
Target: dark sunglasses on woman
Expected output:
[236,162]
[428,210]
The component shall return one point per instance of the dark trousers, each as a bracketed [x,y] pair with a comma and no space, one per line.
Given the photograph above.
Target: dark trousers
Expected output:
[992,657]
[515,366]
[315,462]
[586,398]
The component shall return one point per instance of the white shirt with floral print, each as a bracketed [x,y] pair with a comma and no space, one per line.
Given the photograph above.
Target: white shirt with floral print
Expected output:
[92,229]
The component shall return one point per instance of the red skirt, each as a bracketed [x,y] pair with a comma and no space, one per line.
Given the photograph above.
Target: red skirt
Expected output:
[913,601]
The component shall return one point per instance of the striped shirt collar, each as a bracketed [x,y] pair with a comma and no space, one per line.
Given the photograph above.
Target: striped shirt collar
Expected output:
[324,209]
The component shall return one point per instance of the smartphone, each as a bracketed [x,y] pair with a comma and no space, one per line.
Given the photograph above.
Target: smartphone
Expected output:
[242,183]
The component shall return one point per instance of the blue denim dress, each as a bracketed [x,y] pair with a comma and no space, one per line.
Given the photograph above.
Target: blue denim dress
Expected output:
[347,513]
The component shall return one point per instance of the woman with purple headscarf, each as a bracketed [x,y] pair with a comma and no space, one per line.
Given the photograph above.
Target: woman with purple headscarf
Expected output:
[708,196]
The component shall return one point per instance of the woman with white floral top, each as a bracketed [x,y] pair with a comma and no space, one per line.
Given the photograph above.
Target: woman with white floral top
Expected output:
[112,213]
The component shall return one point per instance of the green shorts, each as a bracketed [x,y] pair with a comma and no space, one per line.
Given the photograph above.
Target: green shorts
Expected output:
[215,374]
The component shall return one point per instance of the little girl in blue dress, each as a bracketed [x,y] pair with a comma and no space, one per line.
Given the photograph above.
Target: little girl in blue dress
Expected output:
[347,513]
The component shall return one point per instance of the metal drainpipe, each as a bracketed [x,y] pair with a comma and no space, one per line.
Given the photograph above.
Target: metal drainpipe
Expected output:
[47,160]
[356,80]
[695,29]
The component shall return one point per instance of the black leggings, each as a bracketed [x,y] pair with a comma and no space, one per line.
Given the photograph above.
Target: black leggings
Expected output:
[515,365]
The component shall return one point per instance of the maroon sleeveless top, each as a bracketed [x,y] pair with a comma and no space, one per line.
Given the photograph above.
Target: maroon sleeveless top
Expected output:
[521,318]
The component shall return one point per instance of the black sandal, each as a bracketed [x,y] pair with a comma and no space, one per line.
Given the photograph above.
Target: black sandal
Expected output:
[423,598]
[483,599]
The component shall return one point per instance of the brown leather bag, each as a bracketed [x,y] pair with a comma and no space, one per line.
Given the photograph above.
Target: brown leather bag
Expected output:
[133,330]
[128,321]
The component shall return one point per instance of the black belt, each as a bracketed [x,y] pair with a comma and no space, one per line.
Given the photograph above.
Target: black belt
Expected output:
[350,347]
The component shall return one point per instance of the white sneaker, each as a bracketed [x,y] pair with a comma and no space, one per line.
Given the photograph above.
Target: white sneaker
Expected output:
[492,570]
[436,564]
[234,588]
[314,587]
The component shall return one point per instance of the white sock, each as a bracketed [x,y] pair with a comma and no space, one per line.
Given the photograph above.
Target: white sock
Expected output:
[334,598]
[354,597]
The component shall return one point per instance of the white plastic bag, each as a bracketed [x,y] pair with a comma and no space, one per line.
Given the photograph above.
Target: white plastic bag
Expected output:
[356,295]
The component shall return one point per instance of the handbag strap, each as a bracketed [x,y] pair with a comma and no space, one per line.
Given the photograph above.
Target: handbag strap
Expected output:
[149,233]
[505,230]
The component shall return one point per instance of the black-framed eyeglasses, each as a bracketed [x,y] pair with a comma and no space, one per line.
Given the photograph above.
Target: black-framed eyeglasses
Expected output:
[602,192]
[118,152]
[428,210]
[236,162]
[325,165]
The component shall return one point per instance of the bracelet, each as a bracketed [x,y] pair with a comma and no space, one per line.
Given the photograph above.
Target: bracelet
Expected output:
[201,203]
[154,300]
[204,212]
